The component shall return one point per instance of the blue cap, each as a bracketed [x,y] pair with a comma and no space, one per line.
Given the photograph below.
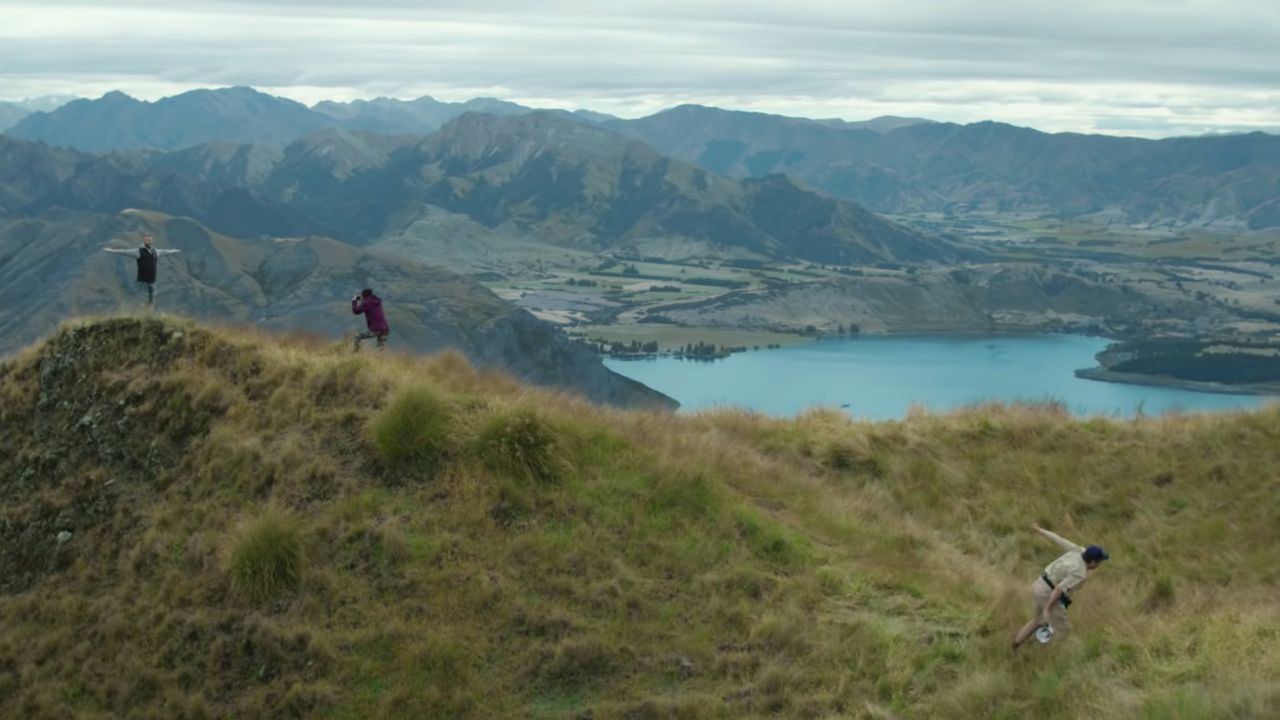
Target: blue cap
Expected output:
[1095,553]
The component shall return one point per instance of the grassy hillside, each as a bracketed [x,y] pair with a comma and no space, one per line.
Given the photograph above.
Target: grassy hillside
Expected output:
[210,524]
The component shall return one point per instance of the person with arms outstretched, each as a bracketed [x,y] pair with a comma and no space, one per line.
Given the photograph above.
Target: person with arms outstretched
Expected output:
[370,306]
[148,258]
[1051,592]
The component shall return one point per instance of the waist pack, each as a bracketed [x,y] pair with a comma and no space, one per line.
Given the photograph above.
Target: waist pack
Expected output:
[1066,601]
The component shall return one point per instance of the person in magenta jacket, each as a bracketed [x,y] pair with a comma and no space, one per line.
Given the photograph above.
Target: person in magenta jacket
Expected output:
[371,306]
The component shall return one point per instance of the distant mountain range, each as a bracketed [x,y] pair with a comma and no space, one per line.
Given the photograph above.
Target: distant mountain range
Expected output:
[560,182]
[987,166]
[409,117]
[10,114]
[116,121]
[896,165]
[13,111]
[541,177]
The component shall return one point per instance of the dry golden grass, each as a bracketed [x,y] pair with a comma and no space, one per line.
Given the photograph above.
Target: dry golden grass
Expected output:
[555,557]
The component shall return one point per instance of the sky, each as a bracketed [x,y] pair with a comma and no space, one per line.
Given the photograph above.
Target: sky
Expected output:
[1151,68]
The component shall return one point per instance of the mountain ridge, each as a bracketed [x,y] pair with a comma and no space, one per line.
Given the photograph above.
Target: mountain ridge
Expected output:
[566,182]
[896,165]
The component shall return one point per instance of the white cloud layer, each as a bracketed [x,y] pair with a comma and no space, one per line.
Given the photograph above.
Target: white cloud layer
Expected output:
[1142,67]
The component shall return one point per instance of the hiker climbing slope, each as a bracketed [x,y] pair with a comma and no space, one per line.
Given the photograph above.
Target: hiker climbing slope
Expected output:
[370,306]
[1052,591]
[148,258]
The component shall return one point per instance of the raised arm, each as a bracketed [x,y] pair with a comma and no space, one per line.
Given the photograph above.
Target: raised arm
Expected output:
[122,251]
[1060,541]
[167,251]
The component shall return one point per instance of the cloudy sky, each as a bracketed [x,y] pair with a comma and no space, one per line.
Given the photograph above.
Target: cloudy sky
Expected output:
[1139,67]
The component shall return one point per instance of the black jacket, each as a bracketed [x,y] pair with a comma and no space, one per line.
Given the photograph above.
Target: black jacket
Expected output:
[147,264]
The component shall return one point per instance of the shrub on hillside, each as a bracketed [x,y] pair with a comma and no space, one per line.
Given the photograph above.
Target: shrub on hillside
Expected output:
[412,432]
[266,557]
[520,443]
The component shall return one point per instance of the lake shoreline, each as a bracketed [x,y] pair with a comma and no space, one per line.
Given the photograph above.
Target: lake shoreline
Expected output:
[1098,374]
[882,376]
[1213,388]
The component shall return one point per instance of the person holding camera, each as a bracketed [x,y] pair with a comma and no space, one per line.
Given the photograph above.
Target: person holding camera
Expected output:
[1052,591]
[370,306]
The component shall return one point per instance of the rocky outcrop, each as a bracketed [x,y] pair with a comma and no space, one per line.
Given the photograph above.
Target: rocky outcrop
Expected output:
[521,344]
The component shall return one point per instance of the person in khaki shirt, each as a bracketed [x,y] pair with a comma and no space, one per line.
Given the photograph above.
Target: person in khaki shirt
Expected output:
[1051,592]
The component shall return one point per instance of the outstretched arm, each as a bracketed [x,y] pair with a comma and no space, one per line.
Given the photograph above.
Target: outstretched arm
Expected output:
[167,251]
[122,251]
[1061,542]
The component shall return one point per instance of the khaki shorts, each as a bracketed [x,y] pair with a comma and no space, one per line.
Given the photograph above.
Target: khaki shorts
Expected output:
[1040,592]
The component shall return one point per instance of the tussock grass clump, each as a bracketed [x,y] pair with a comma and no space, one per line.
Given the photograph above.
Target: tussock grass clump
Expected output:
[520,443]
[412,432]
[266,557]
[579,661]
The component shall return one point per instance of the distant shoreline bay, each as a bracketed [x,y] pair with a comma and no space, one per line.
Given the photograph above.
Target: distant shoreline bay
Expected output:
[1103,375]
[883,376]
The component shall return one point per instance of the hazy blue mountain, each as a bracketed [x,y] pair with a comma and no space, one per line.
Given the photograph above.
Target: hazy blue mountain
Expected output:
[413,117]
[10,114]
[11,111]
[883,123]
[117,121]
[888,164]
[425,115]
[927,166]
[45,103]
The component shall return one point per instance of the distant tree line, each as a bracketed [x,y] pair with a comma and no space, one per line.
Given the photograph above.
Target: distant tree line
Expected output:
[1186,359]
[635,347]
[707,281]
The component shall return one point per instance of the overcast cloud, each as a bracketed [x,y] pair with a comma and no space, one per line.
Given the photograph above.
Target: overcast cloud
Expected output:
[1141,67]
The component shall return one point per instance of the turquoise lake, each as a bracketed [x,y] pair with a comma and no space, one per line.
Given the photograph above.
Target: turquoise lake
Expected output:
[882,377]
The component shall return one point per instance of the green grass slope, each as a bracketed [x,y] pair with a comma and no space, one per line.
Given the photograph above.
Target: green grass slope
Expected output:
[199,523]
